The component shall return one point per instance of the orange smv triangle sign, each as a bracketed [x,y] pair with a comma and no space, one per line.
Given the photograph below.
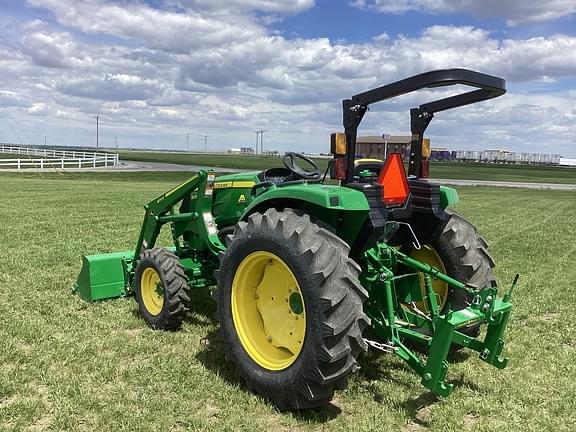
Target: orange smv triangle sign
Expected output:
[392,178]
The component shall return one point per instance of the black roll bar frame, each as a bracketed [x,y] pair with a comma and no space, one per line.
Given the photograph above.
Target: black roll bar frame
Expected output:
[487,87]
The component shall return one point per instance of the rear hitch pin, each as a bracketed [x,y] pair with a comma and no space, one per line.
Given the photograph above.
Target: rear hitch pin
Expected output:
[415,243]
[381,346]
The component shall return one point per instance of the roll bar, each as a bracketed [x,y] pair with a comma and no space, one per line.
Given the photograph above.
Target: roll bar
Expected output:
[487,87]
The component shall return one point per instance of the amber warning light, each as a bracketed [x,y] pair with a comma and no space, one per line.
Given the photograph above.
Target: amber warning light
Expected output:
[392,178]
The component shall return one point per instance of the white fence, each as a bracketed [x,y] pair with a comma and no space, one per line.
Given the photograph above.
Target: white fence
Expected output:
[54,158]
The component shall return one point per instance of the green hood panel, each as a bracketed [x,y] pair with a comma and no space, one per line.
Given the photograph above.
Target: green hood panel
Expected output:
[232,193]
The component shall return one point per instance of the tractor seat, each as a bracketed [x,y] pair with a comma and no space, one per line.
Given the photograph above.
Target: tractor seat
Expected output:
[373,165]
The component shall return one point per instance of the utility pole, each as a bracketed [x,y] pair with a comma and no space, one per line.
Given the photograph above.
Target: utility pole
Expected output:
[187,139]
[205,141]
[45,141]
[116,140]
[97,131]
[257,134]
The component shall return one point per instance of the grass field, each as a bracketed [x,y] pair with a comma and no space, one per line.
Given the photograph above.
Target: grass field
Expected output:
[12,156]
[20,156]
[68,365]
[439,170]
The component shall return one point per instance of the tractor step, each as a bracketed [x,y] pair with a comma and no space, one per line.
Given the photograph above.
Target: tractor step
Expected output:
[104,276]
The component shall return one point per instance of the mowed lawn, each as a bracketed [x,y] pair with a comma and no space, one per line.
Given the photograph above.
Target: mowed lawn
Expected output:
[69,365]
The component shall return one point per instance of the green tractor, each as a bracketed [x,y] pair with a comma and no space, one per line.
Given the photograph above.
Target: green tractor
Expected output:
[304,265]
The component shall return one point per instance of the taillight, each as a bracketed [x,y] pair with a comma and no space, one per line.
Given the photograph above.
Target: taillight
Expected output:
[392,178]
[338,170]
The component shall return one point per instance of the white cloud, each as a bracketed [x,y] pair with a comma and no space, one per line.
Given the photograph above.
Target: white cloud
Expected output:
[154,75]
[12,99]
[514,11]
[166,30]
[39,108]
[112,87]
[54,50]
[275,6]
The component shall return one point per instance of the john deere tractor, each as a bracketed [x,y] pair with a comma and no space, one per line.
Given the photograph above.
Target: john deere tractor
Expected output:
[303,264]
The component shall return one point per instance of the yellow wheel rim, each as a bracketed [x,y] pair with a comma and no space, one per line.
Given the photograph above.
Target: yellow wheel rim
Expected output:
[268,310]
[428,255]
[152,291]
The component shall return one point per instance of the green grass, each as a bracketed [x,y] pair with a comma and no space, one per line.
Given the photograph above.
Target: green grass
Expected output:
[514,173]
[212,160]
[69,365]
[440,170]
[22,156]
[12,156]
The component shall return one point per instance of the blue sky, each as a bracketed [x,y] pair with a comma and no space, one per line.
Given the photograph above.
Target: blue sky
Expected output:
[155,71]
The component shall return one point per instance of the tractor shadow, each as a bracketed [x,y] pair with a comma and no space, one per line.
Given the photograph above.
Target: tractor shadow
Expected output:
[322,414]
[213,357]
[378,367]
[202,309]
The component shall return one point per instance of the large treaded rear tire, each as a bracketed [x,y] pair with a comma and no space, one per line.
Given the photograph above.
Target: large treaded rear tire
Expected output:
[176,291]
[333,299]
[465,256]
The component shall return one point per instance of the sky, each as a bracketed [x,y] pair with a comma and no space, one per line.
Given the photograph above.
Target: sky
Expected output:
[159,73]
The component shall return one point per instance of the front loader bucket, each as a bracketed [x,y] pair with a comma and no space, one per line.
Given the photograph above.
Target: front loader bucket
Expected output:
[104,276]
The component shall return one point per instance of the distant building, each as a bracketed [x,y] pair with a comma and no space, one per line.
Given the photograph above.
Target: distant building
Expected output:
[567,162]
[243,150]
[376,147]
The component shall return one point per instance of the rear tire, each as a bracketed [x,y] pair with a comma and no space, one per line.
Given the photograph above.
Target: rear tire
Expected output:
[332,299]
[164,306]
[465,257]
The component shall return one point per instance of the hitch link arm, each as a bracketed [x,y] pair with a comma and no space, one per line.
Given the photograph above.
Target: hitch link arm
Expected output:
[485,308]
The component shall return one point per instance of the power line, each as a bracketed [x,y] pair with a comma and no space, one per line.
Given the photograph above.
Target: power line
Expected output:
[19,127]
[14,131]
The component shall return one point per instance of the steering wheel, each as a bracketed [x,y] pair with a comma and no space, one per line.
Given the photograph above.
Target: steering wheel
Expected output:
[289,161]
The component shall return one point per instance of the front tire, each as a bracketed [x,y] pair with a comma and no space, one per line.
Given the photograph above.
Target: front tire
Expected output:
[290,308]
[162,291]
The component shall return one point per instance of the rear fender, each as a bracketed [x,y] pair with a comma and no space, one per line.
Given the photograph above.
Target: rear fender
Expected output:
[343,209]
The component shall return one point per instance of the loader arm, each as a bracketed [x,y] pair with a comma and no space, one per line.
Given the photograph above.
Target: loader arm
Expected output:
[187,209]
[193,220]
